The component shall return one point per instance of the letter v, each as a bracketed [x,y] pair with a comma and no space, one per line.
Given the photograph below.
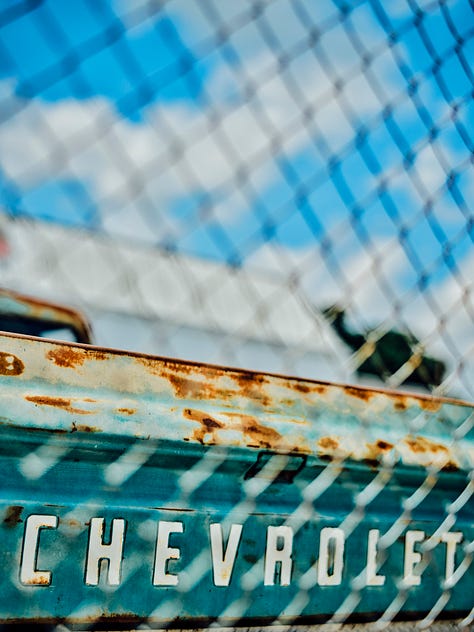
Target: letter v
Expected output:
[223,563]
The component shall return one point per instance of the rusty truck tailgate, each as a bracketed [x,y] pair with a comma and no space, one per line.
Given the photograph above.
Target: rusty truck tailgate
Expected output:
[141,489]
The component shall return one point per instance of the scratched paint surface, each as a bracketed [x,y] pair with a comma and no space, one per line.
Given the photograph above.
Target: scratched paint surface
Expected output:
[88,433]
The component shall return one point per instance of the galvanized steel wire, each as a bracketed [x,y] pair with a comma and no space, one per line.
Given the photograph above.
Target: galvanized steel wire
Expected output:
[234,182]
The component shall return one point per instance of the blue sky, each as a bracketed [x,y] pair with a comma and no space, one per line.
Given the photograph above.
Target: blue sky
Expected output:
[215,128]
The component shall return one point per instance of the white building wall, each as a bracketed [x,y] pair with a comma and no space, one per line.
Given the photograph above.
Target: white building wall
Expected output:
[142,299]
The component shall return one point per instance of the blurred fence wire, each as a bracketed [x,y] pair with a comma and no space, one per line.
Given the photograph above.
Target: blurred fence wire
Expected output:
[279,185]
[225,173]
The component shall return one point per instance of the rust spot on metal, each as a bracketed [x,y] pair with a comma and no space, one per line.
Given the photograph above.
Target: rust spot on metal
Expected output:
[83,428]
[421,444]
[95,354]
[256,432]
[431,404]
[360,393]
[431,452]
[328,443]
[450,466]
[208,422]
[301,388]
[126,411]
[376,450]
[321,389]
[251,385]
[255,392]
[400,404]
[56,402]
[305,389]
[43,400]
[38,581]
[200,382]
[10,364]
[244,378]
[164,367]
[208,425]
[383,445]
[67,357]
[187,388]
[13,515]
[71,357]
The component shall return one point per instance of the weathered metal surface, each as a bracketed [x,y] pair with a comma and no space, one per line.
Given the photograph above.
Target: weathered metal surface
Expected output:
[33,316]
[314,490]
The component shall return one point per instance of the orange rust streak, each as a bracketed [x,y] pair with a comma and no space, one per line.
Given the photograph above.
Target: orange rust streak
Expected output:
[56,402]
[127,411]
[208,425]
[163,367]
[364,395]
[421,444]
[254,431]
[306,389]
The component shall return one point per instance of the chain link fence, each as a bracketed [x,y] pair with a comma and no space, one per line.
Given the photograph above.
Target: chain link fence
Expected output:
[283,186]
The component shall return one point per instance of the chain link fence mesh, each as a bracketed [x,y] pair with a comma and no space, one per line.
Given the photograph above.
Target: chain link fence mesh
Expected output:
[283,186]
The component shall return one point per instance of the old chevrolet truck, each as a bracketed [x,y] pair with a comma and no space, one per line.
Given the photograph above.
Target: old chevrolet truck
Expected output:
[138,490]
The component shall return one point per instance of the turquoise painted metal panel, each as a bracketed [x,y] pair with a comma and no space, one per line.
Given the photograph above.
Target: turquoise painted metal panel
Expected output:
[143,489]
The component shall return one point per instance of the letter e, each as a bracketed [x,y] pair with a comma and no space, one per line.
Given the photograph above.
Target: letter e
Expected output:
[164,553]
